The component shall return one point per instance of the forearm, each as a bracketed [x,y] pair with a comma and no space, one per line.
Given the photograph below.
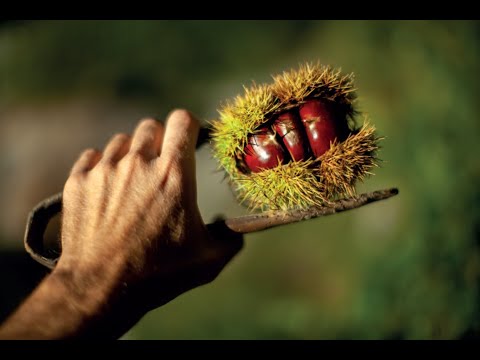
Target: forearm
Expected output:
[59,308]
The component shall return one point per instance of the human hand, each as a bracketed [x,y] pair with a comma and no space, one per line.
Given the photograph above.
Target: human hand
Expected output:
[131,228]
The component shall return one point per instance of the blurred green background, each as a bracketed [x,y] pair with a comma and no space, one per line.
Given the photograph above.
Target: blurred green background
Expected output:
[405,268]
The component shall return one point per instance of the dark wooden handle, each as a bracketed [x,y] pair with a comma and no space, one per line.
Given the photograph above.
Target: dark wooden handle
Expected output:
[37,223]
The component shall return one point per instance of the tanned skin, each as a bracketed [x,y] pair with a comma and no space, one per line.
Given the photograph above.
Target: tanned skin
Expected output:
[132,237]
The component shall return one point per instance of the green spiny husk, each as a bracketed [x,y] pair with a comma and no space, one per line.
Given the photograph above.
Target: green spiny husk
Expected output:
[296,184]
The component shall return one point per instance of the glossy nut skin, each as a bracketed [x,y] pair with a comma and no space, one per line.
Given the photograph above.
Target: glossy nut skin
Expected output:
[263,151]
[319,124]
[289,127]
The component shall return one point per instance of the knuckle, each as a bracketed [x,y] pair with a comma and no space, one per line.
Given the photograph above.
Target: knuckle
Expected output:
[147,122]
[181,113]
[175,171]
[89,152]
[120,137]
[175,178]
[136,155]
[106,164]
[185,116]
[101,174]
[135,158]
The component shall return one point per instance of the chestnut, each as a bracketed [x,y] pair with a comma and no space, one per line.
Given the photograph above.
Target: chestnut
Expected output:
[319,122]
[263,151]
[290,129]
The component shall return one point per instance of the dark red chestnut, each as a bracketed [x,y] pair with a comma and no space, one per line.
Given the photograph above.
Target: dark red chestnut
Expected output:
[319,124]
[290,129]
[263,151]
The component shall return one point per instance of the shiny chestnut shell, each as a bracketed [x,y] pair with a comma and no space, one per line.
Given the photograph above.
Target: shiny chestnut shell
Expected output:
[297,134]
[263,151]
[319,122]
[289,127]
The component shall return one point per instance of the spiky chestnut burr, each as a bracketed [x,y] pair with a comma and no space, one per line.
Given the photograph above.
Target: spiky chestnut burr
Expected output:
[345,153]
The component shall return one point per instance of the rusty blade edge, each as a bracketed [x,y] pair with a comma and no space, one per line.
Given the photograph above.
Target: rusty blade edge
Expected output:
[257,222]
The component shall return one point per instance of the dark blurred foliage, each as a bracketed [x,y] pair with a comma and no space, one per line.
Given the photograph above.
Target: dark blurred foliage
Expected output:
[408,267]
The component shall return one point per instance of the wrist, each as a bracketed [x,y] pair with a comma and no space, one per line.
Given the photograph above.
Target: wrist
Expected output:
[71,304]
[100,297]
[87,291]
